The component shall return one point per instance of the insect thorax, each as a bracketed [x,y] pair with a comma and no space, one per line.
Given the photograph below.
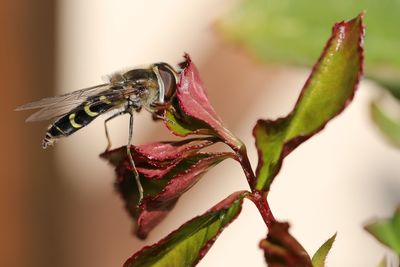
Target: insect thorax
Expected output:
[155,84]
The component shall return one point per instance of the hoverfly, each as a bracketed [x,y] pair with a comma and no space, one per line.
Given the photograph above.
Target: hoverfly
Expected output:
[151,88]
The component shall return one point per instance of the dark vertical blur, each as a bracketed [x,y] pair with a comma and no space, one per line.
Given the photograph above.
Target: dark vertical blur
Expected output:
[29,189]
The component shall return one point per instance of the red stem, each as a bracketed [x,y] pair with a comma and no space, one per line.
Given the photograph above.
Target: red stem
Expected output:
[259,198]
[246,166]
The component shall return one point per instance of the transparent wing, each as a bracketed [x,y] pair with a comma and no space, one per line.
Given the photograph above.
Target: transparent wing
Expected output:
[54,107]
[48,113]
[72,98]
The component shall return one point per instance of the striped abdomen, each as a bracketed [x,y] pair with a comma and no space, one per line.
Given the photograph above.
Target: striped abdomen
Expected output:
[78,118]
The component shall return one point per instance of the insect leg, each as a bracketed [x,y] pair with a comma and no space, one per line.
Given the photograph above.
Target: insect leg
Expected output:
[161,117]
[128,152]
[106,129]
[157,111]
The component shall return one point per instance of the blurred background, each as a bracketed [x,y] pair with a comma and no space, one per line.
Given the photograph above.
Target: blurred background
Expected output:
[59,207]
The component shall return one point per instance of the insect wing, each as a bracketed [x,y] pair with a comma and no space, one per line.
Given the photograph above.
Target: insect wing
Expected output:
[53,107]
[65,98]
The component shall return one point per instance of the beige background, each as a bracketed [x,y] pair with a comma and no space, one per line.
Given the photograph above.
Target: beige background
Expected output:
[334,182]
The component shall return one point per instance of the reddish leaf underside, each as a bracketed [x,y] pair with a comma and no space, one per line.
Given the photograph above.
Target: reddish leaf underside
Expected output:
[160,154]
[163,151]
[192,113]
[165,177]
[328,90]
[187,245]
[159,205]
[282,250]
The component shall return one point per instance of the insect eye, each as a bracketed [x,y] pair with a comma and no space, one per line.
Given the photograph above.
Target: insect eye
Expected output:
[168,78]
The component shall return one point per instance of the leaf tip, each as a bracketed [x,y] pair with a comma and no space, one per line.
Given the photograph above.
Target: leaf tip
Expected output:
[184,64]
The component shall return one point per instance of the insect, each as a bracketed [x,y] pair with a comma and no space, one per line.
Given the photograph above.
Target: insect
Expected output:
[151,88]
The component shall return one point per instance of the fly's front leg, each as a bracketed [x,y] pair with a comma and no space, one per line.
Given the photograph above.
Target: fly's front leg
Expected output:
[158,111]
[160,106]
[106,129]
[128,152]
[161,117]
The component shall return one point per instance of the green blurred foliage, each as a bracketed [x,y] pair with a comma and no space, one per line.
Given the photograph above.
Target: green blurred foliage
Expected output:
[386,124]
[387,231]
[292,31]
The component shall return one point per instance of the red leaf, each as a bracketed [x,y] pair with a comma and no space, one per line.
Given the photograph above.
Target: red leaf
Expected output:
[166,170]
[159,205]
[182,181]
[282,250]
[159,154]
[171,150]
[197,114]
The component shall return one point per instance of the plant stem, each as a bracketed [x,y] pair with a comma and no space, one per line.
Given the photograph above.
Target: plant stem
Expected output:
[259,198]
[246,166]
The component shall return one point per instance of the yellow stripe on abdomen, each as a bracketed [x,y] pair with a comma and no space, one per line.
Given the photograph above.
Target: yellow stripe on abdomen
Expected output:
[104,99]
[73,122]
[89,112]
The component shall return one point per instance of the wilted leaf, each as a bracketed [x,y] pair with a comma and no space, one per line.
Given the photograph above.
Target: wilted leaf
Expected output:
[387,125]
[164,176]
[192,113]
[319,258]
[293,31]
[187,245]
[328,90]
[282,250]
[387,231]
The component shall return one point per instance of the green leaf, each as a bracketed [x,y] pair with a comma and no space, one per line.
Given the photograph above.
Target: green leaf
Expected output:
[328,90]
[387,231]
[293,31]
[187,245]
[387,125]
[183,125]
[318,260]
[282,250]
